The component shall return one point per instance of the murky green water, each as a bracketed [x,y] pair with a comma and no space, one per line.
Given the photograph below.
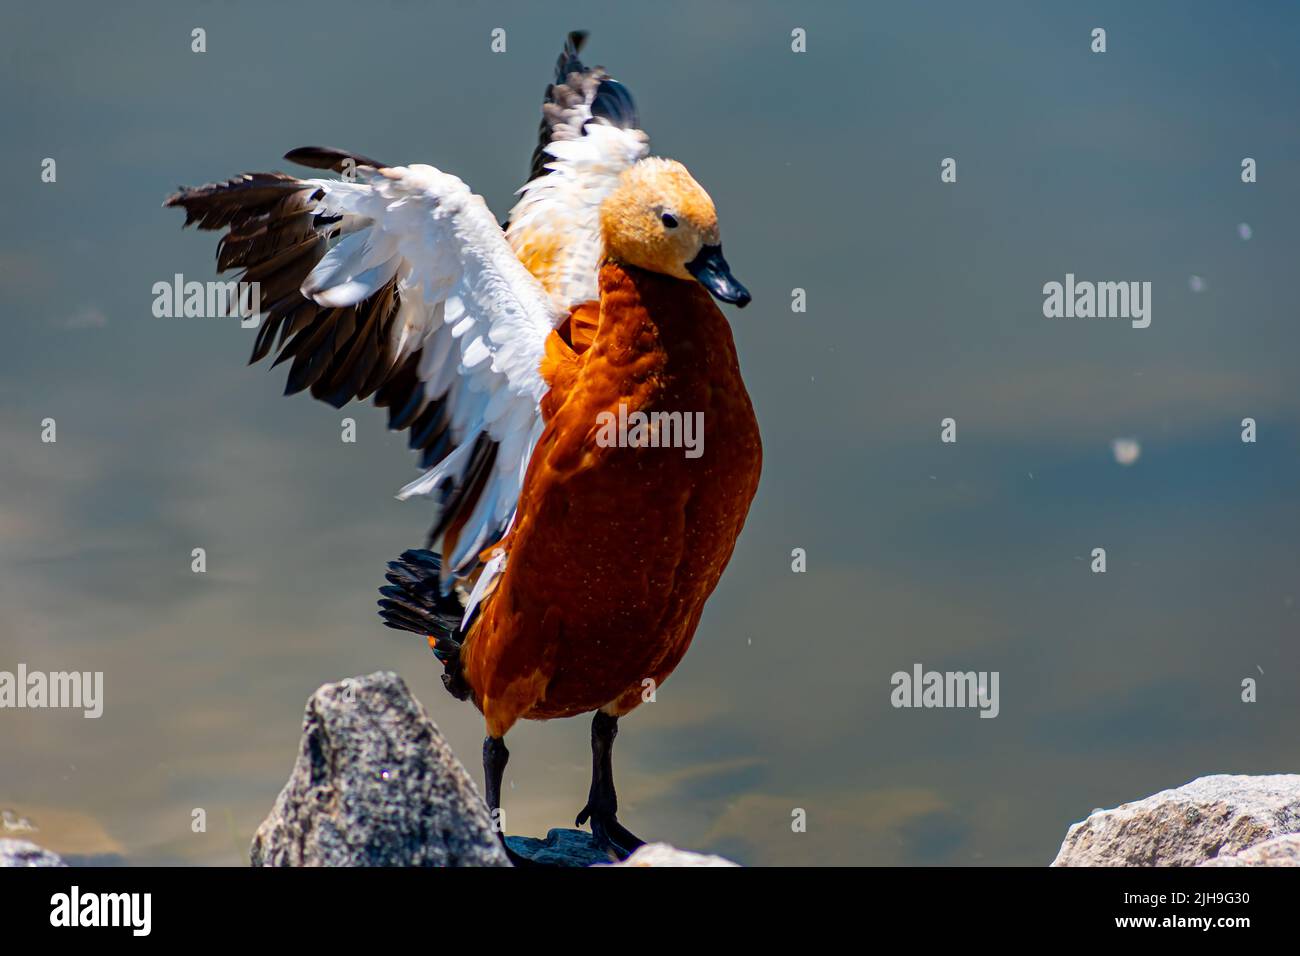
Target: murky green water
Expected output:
[924,302]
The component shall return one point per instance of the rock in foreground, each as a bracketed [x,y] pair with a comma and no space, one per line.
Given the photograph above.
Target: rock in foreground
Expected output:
[1212,817]
[375,784]
[566,848]
[1279,851]
[22,853]
[569,848]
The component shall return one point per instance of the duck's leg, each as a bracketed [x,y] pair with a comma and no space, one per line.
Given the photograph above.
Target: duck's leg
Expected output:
[602,802]
[495,756]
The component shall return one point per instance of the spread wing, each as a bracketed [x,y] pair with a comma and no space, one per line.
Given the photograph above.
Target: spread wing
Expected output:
[589,135]
[398,283]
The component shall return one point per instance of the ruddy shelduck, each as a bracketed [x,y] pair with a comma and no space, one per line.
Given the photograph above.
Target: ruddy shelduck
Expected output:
[569,562]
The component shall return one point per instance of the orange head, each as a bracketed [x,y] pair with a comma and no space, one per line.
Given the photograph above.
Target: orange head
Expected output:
[659,218]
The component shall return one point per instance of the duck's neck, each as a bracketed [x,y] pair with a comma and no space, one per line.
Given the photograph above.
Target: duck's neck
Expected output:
[639,304]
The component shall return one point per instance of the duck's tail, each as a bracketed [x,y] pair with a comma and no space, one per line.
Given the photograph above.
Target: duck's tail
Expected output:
[413,602]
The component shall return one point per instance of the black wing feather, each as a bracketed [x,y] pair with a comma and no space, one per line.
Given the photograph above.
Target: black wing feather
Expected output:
[576,84]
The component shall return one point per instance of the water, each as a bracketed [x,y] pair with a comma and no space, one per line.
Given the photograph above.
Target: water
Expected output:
[924,302]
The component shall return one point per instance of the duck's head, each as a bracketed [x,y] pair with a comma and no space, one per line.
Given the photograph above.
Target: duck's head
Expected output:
[659,218]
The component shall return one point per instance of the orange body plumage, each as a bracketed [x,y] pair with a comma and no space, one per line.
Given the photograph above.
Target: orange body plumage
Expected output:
[615,549]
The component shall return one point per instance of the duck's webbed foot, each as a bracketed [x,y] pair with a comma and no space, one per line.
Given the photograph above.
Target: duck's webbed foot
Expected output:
[602,801]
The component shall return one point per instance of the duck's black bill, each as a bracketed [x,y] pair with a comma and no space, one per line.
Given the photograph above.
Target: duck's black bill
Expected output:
[715,275]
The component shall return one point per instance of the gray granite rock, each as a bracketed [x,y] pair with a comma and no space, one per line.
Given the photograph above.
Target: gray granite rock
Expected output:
[1210,817]
[375,784]
[1279,851]
[22,853]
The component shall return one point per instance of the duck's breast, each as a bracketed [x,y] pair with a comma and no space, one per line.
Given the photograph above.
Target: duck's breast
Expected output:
[630,510]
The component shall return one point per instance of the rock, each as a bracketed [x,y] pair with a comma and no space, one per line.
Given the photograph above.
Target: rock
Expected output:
[1210,817]
[375,784]
[661,854]
[22,853]
[1279,851]
[577,848]
[560,848]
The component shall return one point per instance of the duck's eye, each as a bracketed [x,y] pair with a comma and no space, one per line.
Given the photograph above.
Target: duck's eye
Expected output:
[669,220]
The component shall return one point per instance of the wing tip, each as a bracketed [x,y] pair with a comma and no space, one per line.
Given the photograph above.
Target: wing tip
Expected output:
[327,157]
[569,62]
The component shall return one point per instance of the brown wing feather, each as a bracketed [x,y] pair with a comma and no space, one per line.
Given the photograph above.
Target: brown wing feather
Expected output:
[275,238]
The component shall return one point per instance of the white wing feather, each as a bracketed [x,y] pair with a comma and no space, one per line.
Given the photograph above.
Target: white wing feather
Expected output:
[478,315]
[556,223]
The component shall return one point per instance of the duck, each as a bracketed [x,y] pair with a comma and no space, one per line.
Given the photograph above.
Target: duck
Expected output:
[568,564]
